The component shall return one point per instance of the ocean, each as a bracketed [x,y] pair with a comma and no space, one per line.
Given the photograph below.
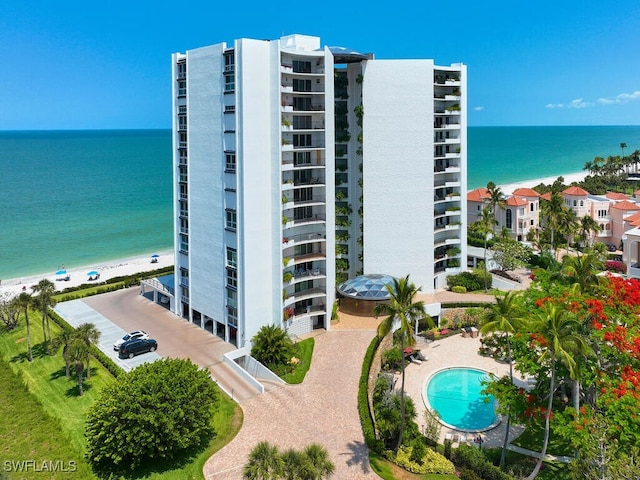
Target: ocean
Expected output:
[82,198]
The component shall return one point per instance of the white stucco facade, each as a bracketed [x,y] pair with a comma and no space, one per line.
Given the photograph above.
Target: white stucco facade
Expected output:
[297,166]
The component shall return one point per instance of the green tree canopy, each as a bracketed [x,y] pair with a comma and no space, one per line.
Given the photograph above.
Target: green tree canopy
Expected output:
[155,412]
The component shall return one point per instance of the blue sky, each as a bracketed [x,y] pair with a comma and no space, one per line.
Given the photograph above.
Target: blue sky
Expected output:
[80,65]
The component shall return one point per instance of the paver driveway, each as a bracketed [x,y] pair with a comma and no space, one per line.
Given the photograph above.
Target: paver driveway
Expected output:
[321,410]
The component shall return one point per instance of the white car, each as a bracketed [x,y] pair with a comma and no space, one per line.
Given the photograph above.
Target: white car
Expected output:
[130,336]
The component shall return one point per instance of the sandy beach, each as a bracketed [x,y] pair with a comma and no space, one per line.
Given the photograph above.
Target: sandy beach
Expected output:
[130,266]
[78,276]
[569,178]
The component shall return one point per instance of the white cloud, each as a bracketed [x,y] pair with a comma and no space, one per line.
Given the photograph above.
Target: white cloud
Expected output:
[603,101]
[622,98]
[579,103]
[478,109]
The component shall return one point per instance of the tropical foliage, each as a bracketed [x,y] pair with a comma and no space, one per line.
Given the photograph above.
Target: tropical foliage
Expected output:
[272,346]
[155,412]
[266,462]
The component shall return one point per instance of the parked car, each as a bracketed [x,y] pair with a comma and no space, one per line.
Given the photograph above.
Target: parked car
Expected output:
[134,347]
[130,336]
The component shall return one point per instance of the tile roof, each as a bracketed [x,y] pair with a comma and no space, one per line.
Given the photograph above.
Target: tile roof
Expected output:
[625,205]
[526,192]
[617,196]
[478,195]
[515,201]
[576,191]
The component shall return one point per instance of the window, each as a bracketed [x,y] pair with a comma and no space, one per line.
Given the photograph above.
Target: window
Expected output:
[302,122]
[182,122]
[301,85]
[521,211]
[232,257]
[300,66]
[582,203]
[229,62]
[230,162]
[183,139]
[232,278]
[232,219]
[302,286]
[232,298]
[182,88]
[478,207]
[303,195]
[229,83]
[232,315]
[303,213]
[301,158]
[304,249]
[302,140]
[302,104]
[575,203]
[509,221]
[531,222]
[184,243]
[182,70]
[532,206]
[602,213]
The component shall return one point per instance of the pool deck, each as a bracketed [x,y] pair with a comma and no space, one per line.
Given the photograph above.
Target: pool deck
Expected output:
[454,351]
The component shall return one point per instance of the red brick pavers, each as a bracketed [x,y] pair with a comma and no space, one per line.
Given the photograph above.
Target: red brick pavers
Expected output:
[321,410]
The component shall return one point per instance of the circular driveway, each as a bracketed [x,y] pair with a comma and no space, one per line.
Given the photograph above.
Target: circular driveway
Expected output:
[323,409]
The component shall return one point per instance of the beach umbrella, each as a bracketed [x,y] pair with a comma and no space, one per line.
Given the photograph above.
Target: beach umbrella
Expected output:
[92,273]
[155,255]
[61,272]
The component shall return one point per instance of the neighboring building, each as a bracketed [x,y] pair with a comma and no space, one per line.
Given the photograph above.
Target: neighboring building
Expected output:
[519,214]
[298,166]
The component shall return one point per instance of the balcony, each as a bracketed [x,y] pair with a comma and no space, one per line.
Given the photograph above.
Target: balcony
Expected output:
[229,68]
[304,238]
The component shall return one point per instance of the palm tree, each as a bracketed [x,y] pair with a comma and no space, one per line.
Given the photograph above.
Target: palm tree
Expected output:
[45,289]
[582,271]
[568,224]
[402,309]
[265,463]
[560,341]
[78,354]
[551,211]
[496,199]
[485,225]
[24,302]
[89,335]
[504,316]
[63,340]
[588,228]
[319,462]
[294,466]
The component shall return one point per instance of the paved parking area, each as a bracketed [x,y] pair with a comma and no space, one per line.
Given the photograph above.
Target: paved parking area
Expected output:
[122,311]
[76,312]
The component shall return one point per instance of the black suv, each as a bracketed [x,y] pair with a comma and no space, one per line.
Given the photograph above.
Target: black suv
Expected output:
[140,345]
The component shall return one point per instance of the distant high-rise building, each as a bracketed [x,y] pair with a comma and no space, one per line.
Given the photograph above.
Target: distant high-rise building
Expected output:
[298,166]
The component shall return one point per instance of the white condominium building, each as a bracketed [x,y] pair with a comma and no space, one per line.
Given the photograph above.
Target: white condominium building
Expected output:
[298,166]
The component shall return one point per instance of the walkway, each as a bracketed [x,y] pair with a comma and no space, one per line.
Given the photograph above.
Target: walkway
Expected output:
[321,410]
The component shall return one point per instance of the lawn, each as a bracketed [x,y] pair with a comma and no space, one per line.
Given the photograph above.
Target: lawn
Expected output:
[27,432]
[304,354]
[43,409]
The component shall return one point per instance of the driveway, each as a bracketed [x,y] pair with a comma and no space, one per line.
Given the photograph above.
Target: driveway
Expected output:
[116,313]
[323,410]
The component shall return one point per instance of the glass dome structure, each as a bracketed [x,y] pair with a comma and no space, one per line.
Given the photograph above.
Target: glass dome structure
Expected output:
[361,294]
[367,287]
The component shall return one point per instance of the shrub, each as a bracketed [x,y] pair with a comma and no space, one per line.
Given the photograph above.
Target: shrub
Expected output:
[615,266]
[157,411]
[472,458]
[272,346]
[468,474]
[366,420]
[470,281]
[391,359]
[447,448]
[459,289]
[431,462]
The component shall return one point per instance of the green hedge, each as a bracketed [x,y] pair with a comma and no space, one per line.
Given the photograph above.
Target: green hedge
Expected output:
[366,420]
[467,457]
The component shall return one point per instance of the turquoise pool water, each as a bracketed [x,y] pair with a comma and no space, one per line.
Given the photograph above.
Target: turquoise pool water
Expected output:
[455,393]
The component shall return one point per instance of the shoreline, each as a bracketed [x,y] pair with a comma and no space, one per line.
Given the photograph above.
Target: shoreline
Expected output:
[569,178]
[78,276]
[142,263]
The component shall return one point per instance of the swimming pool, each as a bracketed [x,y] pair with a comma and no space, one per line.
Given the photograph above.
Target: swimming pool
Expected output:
[455,393]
